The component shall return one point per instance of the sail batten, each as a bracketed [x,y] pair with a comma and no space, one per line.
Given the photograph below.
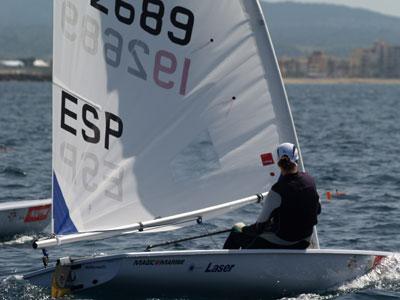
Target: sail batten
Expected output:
[63,86]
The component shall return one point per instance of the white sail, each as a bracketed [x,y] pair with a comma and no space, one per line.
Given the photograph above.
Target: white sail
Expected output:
[161,108]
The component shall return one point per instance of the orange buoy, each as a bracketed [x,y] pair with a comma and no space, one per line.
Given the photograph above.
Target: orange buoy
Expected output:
[328,196]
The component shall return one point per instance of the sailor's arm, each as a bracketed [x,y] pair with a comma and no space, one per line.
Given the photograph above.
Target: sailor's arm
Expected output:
[271,202]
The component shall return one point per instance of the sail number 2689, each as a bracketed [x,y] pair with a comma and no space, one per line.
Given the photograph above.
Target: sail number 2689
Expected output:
[151,18]
[168,71]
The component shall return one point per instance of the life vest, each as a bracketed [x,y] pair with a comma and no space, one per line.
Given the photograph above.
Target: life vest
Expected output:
[295,218]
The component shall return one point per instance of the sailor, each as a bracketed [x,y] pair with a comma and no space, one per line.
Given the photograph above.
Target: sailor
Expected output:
[289,212]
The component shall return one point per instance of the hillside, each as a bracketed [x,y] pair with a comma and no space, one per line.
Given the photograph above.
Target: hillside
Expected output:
[296,28]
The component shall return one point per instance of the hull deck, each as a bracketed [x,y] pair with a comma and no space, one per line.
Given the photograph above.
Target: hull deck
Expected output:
[215,272]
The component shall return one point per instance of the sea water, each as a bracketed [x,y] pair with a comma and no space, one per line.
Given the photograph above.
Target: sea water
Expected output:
[350,141]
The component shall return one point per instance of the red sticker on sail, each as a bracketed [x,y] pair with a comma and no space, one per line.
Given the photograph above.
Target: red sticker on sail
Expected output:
[377,261]
[37,213]
[267,159]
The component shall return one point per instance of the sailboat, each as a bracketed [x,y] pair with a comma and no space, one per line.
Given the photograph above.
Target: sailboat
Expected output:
[165,114]
[27,216]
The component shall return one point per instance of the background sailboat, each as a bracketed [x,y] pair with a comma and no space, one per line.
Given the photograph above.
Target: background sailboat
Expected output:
[131,97]
[29,216]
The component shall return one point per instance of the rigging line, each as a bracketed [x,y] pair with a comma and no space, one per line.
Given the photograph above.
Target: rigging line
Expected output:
[149,229]
[208,234]
[149,247]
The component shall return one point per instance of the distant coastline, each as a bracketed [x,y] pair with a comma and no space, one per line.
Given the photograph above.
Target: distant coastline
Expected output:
[45,75]
[34,74]
[395,81]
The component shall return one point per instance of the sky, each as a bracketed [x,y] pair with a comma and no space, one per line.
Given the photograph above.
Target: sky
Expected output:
[388,7]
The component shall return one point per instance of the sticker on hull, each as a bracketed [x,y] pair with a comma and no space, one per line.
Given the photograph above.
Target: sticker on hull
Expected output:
[37,213]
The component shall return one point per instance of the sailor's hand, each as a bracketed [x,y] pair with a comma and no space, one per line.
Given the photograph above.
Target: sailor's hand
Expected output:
[238,227]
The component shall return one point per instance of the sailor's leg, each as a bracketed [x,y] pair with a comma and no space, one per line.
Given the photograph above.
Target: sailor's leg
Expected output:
[239,237]
[237,240]
[260,243]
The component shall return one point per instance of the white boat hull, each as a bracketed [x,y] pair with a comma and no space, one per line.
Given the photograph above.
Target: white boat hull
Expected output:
[216,272]
[24,216]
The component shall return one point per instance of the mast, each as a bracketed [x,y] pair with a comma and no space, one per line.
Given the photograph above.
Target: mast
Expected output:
[278,90]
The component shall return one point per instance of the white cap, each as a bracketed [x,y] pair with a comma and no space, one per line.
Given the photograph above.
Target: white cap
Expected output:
[289,150]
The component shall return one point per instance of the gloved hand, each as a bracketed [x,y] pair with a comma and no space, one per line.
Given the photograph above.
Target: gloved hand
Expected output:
[238,227]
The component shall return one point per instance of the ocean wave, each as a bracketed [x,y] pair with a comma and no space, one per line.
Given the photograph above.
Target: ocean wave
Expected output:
[15,287]
[6,149]
[380,283]
[18,240]
[13,171]
[386,276]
